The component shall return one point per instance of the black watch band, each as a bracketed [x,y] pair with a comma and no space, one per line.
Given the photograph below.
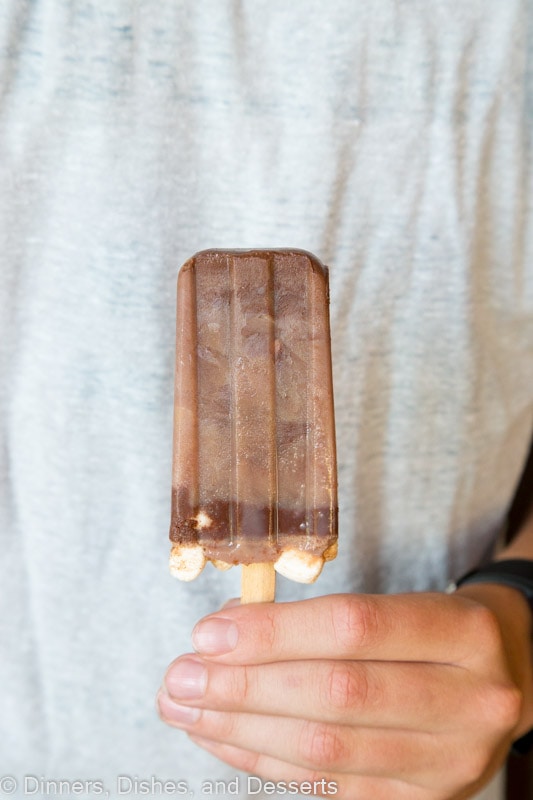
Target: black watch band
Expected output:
[517,574]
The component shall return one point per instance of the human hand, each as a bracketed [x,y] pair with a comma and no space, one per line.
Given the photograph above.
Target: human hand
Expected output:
[393,697]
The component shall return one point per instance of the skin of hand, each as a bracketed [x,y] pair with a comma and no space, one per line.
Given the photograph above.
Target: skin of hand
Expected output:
[391,697]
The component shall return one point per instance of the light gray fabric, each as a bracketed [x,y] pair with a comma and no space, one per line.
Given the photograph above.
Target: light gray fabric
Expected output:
[393,139]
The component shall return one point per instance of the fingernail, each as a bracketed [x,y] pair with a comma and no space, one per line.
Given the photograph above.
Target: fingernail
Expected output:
[186,679]
[215,636]
[172,712]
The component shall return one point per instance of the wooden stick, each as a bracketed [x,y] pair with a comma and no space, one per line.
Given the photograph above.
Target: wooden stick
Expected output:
[258,583]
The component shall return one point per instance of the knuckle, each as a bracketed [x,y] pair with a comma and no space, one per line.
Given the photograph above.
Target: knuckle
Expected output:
[238,689]
[471,767]
[321,745]
[503,707]
[267,631]
[247,761]
[345,689]
[487,633]
[511,705]
[355,622]
[220,726]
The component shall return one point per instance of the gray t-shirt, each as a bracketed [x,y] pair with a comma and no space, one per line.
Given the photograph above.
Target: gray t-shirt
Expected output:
[391,138]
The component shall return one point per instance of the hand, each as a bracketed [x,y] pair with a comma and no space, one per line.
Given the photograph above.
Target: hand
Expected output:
[398,697]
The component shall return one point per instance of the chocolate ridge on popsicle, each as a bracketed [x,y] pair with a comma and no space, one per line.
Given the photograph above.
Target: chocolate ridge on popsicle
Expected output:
[254,475]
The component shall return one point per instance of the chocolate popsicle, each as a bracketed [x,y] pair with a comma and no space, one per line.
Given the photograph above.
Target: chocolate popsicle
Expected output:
[254,466]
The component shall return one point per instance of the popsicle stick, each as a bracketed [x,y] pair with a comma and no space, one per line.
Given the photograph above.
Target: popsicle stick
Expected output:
[258,583]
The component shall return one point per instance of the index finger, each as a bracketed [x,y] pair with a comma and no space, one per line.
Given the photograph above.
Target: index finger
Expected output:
[429,627]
